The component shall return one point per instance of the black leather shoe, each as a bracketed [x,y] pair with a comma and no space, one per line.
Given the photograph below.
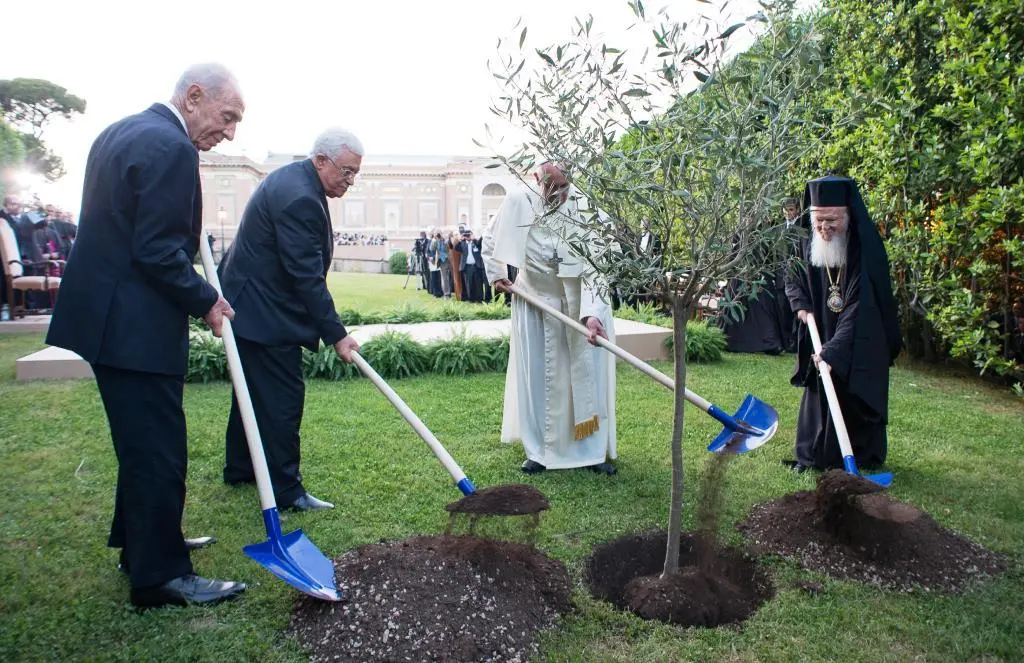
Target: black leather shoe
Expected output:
[185,590]
[199,542]
[532,467]
[603,468]
[795,466]
[309,503]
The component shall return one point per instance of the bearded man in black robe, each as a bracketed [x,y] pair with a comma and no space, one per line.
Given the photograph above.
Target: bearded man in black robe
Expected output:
[844,281]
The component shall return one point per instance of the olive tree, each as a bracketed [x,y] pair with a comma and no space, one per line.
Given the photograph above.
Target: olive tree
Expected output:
[687,137]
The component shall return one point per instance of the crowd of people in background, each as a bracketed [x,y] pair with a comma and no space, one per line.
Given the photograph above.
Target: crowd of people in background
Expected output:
[359,239]
[44,234]
[449,264]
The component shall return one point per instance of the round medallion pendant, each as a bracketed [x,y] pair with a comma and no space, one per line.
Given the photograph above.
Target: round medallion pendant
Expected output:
[835,299]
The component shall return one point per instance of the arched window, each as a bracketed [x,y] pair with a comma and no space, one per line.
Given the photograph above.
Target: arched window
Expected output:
[494,189]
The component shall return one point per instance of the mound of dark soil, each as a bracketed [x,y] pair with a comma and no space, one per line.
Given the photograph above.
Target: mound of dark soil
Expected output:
[713,586]
[509,500]
[435,598]
[849,528]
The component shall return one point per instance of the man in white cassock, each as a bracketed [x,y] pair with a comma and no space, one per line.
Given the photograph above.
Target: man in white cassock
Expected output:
[560,387]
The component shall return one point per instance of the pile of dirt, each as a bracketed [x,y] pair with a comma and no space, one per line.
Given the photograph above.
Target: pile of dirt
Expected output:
[508,500]
[707,591]
[849,528]
[435,598]
[713,585]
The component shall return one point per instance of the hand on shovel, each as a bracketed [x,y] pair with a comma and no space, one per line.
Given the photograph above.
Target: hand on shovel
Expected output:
[215,316]
[594,329]
[345,347]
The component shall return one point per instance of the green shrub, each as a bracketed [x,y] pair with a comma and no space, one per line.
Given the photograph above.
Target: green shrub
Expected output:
[398,262]
[395,355]
[495,310]
[207,360]
[405,314]
[325,364]
[461,354]
[704,343]
[500,353]
[351,317]
[646,313]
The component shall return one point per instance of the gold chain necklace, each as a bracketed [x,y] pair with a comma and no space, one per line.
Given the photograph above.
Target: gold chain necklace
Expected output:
[835,297]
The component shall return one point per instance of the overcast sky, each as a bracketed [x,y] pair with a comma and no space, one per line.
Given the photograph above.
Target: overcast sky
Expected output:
[408,76]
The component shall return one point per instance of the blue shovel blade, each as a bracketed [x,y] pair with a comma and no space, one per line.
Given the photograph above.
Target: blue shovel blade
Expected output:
[294,559]
[883,479]
[758,423]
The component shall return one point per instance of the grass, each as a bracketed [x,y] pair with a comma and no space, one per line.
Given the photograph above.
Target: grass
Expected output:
[955,448]
[373,292]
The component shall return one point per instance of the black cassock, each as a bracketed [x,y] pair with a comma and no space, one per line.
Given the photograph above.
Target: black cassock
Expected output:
[860,343]
[760,329]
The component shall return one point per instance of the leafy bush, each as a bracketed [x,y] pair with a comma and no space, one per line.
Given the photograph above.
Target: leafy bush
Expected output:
[325,364]
[395,355]
[399,262]
[938,150]
[405,314]
[495,310]
[351,317]
[645,313]
[704,343]
[461,354]
[207,360]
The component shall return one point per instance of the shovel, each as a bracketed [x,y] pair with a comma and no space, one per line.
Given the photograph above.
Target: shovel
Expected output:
[291,557]
[883,479]
[754,423]
[458,476]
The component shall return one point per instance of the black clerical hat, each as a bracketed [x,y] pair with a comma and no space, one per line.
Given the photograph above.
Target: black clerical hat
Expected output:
[830,191]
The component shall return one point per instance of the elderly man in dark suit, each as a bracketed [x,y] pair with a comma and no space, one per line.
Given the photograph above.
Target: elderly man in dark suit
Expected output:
[275,277]
[127,293]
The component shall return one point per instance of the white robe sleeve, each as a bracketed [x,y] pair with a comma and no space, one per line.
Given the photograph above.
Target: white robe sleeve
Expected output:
[496,269]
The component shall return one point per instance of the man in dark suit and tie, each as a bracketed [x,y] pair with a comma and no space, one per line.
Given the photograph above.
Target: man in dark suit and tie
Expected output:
[472,267]
[275,277]
[127,293]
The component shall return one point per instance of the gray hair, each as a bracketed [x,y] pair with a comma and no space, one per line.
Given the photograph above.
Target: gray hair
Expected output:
[332,142]
[211,76]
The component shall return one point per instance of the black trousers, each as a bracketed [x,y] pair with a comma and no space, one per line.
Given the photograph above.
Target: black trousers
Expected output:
[147,424]
[274,377]
[474,287]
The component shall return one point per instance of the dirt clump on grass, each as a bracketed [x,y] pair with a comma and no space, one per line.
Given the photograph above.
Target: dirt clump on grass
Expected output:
[508,500]
[435,598]
[849,528]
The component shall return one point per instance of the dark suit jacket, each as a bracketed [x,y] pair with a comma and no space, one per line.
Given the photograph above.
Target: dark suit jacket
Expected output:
[275,273]
[464,247]
[129,284]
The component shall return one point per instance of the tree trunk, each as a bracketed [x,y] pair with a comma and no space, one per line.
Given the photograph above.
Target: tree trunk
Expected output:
[680,315]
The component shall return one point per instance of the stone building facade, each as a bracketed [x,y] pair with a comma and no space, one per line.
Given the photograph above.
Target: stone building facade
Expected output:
[394,195]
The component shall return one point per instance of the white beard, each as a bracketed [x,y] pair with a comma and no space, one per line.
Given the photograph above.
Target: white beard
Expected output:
[828,254]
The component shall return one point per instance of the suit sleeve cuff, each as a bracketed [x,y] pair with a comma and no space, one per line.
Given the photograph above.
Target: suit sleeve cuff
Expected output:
[203,304]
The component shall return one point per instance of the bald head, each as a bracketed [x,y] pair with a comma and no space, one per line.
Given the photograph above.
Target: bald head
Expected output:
[553,182]
[209,99]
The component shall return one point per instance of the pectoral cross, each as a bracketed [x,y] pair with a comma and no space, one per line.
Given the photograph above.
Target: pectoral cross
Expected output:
[554,257]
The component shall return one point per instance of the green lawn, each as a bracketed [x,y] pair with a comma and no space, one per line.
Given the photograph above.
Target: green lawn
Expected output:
[373,292]
[955,449]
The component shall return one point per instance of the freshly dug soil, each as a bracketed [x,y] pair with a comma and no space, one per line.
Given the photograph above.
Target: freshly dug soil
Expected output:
[707,590]
[850,528]
[509,500]
[435,598]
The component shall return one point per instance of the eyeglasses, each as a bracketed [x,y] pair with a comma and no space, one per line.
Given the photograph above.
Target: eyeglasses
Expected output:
[347,173]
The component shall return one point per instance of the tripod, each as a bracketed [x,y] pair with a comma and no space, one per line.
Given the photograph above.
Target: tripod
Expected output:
[413,271]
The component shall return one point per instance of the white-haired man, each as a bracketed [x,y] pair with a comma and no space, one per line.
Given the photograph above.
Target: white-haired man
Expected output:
[845,283]
[126,295]
[275,277]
